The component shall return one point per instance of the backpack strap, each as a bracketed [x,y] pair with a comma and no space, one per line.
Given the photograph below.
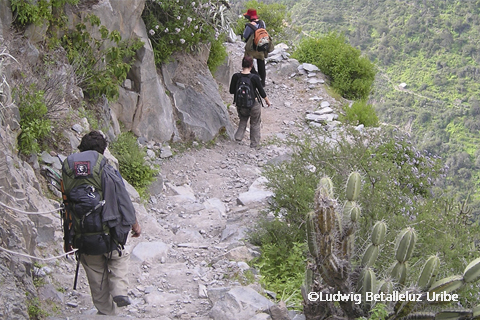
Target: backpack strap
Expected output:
[252,26]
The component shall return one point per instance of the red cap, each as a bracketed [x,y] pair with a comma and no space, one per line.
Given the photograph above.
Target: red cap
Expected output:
[252,13]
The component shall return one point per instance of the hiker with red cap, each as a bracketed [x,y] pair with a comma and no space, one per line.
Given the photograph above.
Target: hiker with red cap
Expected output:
[250,28]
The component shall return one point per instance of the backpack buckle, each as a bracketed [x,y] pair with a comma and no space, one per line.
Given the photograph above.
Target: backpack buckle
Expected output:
[90,190]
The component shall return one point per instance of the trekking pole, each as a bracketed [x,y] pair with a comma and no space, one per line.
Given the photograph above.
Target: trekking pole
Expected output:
[76,272]
[259,98]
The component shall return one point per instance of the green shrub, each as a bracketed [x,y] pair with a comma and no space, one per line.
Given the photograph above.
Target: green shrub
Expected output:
[35,311]
[99,68]
[131,158]
[399,186]
[218,54]
[360,113]
[37,12]
[282,270]
[174,26]
[351,74]
[33,119]
[276,231]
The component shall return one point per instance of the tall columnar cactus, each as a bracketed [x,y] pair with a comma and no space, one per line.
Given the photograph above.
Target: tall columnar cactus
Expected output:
[332,268]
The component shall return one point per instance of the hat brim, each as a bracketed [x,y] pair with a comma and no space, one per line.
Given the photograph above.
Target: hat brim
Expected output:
[246,15]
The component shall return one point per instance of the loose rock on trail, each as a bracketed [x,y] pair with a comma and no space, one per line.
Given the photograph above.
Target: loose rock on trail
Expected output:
[191,261]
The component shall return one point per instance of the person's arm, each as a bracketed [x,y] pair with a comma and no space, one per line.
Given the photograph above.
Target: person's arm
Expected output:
[248,31]
[233,84]
[261,91]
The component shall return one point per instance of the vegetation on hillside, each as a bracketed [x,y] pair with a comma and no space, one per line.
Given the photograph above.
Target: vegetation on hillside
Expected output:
[431,47]
[350,73]
[400,185]
[175,26]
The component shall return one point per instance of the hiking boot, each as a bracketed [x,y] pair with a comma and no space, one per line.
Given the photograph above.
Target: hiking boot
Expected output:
[122,301]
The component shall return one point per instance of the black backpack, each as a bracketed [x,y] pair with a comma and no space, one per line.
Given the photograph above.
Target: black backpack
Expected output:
[83,200]
[245,94]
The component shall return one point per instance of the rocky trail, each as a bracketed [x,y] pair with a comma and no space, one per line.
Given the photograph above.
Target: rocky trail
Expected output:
[191,259]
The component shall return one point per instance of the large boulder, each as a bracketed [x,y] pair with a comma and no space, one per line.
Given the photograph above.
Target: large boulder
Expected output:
[196,96]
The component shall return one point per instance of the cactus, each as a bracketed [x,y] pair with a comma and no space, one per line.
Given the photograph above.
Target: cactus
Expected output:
[472,271]
[447,285]
[429,272]
[379,233]
[405,243]
[351,211]
[331,238]
[353,186]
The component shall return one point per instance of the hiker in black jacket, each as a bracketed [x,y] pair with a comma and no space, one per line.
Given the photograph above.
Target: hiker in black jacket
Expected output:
[254,113]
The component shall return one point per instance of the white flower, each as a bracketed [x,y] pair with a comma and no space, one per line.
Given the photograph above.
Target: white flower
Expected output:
[193,4]
[177,30]
[189,19]
[151,32]
[193,34]
[178,18]
[196,27]
[157,26]
[182,41]
[166,30]
[181,7]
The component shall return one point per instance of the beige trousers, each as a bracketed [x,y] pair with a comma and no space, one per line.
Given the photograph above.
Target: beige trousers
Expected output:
[107,277]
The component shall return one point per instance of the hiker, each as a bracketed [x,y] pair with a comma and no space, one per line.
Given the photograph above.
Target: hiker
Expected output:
[254,111]
[101,254]
[252,16]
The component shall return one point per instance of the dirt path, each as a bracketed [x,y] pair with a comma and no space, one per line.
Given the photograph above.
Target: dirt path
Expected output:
[194,226]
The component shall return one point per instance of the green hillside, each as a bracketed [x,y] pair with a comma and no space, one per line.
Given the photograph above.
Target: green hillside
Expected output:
[430,46]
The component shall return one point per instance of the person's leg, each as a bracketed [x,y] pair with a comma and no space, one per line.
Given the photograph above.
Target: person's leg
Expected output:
[261,70]
[118,273]
[255,122]
[243,115]
[96,269]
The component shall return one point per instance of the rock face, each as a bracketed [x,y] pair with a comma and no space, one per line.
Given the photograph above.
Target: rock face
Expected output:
[144,107]
[195,95]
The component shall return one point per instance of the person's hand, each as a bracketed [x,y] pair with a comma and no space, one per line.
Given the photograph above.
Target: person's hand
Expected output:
[136,230]
[268,101]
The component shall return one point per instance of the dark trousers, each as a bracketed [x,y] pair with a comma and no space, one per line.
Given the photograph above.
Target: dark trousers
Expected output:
[261,70]
[254,114]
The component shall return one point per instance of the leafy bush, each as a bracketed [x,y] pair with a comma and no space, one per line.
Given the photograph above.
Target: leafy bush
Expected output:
[283,270]
[218,54]
[131,158]
[37,12]
[399,186]
[180,25]
[351,74]
[99,68]
[360,113]
[33,120]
